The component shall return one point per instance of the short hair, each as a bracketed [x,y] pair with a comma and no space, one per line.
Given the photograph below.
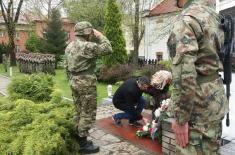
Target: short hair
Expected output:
[143,80]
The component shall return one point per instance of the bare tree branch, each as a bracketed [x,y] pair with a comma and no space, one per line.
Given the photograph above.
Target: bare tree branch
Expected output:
[3,11]
[141,36]
[60,3]
[18,11]
[10,24]
[9,11]
[4,6]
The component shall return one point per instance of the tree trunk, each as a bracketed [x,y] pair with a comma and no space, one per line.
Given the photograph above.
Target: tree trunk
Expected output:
[11,34]
[10,23]
[136,33]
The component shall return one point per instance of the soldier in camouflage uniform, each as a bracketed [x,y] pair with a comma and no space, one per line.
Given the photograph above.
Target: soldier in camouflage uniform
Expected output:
[198,95]
[81,56]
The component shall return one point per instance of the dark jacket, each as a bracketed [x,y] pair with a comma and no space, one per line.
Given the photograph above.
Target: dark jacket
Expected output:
[126,98]
[158,95]
[128,93]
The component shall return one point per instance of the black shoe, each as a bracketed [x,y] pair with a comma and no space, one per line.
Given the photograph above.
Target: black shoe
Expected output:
[135,123]
[117,121]
[89,148]
[82,139]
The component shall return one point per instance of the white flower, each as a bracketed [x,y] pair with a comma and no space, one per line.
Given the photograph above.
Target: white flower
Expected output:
[146,127]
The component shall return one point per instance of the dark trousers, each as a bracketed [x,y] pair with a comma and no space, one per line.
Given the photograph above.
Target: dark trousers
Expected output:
[130,112]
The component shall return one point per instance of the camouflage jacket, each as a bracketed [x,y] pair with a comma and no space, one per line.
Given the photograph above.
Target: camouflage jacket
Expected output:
[195,40]
[81,55]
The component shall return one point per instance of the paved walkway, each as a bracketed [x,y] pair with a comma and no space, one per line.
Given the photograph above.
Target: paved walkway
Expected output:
[109,144]
[4,81]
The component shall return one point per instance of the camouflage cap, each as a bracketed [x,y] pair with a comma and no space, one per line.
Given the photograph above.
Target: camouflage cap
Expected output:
[83,28]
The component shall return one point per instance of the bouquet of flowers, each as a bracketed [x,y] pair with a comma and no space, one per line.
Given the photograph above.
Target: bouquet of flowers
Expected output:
[153,129]
[144,131]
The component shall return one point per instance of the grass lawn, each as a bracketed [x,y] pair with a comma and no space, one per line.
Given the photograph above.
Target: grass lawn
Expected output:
[61,82]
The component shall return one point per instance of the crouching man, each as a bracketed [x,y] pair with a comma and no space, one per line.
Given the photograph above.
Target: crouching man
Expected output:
[128,98]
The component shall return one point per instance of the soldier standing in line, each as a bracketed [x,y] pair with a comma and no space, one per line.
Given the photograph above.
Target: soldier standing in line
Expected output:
[81,56]
[198,96]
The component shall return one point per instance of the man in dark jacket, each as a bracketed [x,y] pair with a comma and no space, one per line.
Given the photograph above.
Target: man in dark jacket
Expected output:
[128,98]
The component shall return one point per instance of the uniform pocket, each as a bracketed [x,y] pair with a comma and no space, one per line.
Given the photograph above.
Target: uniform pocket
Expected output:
[177,59]
[195,137]
[177,69]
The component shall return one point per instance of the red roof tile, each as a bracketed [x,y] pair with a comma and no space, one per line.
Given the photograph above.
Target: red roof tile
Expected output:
[166,6]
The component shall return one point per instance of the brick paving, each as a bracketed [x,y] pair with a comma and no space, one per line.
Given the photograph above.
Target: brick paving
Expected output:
[110,144]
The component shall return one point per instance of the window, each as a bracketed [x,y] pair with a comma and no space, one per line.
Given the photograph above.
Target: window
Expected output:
[159,56]
[17,48]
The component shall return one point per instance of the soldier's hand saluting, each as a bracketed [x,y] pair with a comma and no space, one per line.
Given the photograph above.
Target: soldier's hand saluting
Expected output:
[97,33]
[181,133]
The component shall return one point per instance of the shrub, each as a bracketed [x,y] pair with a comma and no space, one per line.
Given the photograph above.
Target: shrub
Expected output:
[56,96]
[147,70]
[4,49]
[61,62]
[164,65]
[115,73]
[40,129]
[35,87]
[34,44]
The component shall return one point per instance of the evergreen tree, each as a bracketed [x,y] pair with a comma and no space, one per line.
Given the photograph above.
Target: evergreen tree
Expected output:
[113,32]
[55,36]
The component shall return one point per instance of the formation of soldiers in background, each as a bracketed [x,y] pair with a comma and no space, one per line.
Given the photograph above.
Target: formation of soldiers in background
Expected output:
[36,62]
[143,62]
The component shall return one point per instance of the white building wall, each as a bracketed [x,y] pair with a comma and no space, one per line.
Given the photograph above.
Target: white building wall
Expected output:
[128,37]
[224,4]
[157,30]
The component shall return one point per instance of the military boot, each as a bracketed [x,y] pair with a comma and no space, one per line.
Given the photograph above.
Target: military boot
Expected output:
[86,147]
[78,139]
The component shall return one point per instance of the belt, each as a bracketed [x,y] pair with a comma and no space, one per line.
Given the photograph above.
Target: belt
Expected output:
[207,78]
[85,72]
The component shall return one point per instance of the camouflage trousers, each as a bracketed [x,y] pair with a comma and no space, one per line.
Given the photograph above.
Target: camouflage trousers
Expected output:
[203,140]
[84,95]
